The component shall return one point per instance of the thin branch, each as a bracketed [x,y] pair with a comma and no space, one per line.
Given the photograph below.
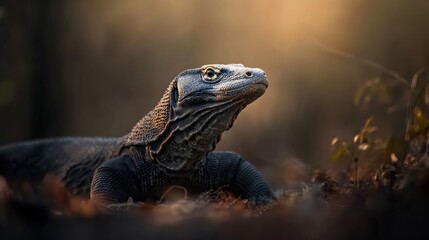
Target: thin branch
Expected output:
[395,108]
[171,188]
[363,61]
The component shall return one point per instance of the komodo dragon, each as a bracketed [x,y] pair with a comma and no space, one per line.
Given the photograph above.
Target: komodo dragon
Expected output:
[172,145]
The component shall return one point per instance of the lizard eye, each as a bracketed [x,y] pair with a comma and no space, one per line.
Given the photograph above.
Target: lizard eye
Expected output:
[210,74]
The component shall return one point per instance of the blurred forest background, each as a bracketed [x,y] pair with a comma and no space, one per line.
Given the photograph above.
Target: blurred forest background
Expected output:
[94,68]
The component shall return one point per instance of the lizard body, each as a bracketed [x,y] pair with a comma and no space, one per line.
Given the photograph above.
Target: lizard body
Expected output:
[172,145]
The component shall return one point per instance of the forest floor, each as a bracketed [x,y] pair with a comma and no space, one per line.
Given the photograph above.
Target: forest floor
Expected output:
[376,194]
[389,201]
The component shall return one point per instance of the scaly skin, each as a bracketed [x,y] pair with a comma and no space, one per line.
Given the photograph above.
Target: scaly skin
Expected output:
[172,145]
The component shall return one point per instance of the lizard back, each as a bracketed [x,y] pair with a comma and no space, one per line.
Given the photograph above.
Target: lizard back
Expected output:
[72,160]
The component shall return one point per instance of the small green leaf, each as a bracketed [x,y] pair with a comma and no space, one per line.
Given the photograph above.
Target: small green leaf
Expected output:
[370,130]
[339,151]
[363,135]
[368,122]
[419,123]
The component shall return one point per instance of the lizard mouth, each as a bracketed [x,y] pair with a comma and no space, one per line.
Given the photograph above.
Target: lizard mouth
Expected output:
[261,81]
[245,87]
[250,91]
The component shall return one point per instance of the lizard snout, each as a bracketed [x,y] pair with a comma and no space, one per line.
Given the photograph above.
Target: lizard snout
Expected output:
[257,75]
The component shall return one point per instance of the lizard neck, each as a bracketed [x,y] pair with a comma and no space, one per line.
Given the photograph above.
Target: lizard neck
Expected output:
[178,138]
[154,123]
[184,145]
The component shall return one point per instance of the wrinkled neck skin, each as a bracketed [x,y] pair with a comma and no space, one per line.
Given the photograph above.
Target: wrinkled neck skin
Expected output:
[191,134]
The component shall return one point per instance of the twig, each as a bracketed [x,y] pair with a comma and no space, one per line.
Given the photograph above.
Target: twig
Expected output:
[395,108]
[170,188]
[356,162]
[366,62]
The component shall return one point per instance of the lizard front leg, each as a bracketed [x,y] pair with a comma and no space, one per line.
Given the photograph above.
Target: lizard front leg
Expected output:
[248,183]
[114,182]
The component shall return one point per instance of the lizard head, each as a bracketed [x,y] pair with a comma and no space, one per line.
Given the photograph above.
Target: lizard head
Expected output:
[213,85]
[198,106]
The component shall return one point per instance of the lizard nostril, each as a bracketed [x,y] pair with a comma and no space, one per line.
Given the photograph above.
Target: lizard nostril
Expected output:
[249,74]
